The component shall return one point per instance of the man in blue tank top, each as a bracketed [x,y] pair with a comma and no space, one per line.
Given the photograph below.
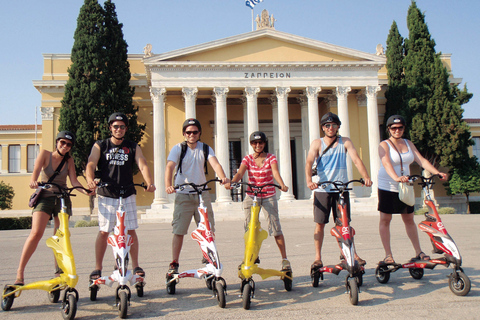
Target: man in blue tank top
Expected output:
[331,154]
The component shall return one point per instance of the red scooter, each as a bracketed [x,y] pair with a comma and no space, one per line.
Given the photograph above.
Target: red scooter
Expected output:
[442,242]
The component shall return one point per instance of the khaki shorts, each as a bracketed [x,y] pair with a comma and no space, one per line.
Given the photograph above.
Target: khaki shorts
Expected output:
[270,211]
[107,212]
[52,206]
[186,207]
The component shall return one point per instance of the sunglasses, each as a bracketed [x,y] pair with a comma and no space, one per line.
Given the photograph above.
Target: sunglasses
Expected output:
[331,125]
[65,143]
[116,126]
[397,128]
[191,132]
[257,142]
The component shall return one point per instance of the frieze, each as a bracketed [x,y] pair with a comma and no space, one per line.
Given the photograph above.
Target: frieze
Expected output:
[267,75]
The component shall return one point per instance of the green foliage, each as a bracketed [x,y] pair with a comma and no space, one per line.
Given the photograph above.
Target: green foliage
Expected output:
[444,210]
[6,195]
[84,223]
[465,180]
[15,223]
[98,82]
[474,207]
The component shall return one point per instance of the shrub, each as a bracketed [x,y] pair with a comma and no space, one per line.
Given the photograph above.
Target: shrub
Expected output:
[15,223]
[474,207]
[84,223]
[6,195]
[443,210]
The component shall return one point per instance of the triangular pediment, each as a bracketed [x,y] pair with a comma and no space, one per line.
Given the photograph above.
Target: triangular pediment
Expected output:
[266,45]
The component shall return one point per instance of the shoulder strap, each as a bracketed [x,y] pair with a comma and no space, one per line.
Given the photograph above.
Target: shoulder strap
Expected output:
[325,151]
[182,155]
[401,162]
[57,171]
[206,151]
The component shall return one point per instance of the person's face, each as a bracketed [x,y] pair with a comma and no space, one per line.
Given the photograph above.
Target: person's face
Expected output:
[118,129]
[330,129]
[258,145]
[396,130]
[192,134]
[64,145]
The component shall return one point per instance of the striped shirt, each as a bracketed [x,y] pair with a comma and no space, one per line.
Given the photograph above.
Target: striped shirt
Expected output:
[260,176]
[333,165]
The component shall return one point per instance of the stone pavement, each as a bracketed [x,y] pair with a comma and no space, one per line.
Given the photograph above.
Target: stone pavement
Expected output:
[402,297]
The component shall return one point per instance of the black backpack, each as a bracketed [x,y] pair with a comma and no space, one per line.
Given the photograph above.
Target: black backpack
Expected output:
[184,152]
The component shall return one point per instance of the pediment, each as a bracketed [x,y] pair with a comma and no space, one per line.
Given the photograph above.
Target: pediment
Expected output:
[266,45]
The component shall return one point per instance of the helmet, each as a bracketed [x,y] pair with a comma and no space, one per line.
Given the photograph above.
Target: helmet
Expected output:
[66,135]
[396,119]
[330,117]
[258,135]
[118,116]
[191,122]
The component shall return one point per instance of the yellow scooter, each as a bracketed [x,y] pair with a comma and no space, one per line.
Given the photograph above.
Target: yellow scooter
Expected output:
[254,237]
[62,250]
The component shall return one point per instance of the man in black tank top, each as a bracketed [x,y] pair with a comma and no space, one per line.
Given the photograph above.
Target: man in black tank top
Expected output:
[115,159]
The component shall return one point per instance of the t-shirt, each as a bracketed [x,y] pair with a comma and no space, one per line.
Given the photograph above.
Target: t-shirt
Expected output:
[193,170]
[260,176]
[333,165]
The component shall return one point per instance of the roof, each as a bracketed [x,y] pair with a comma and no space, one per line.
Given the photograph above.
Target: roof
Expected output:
[19,127]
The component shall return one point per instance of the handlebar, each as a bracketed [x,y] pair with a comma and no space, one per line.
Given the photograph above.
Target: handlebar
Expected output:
[254,188]
[64,192]
[339,185]
[425,181]
[120,188]
[198,188]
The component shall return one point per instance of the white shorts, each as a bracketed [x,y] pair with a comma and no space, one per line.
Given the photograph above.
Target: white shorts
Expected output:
[107,212]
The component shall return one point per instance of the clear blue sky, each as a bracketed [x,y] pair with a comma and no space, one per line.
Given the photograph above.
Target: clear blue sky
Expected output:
[31,28]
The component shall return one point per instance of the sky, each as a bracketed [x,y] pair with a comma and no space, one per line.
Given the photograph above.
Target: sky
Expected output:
[31,28]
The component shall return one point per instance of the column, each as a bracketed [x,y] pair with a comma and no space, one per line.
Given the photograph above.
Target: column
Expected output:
[285,159]
[305,143]
[251,93]
[190,96]
[221,138]
[246,142]
[342,106]
[373,135]
[313,118]
[159,163]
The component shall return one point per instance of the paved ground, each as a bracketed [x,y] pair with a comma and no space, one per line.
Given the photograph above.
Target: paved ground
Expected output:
[403,297]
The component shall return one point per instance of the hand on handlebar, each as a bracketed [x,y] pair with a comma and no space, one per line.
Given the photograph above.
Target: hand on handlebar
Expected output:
[367,182]
[284,188]
[443,176]
[170,189]
[312,185]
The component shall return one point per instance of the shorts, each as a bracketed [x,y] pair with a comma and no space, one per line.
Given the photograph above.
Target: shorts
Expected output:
[388,202]
[107,212]
[52,206]
[324,202]
[186,207]
[270,211]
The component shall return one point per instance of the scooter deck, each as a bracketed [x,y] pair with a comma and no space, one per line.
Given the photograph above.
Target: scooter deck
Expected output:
[264,273]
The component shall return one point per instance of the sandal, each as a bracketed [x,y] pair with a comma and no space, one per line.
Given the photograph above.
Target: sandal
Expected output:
[317,264]
[96,274]
[139,272]
[389,259]
[19,282]
[360,261]
[422,256]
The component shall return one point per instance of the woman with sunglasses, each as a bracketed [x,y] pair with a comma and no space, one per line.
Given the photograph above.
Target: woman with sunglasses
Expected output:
[389,175]
[48,206]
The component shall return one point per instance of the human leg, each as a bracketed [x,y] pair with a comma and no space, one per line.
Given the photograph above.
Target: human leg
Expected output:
[318,240]
[184,209]
[384,230]
[412,233]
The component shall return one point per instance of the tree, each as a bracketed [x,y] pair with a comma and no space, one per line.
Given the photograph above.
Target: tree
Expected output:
[465,179]
[98,83]
[6,195]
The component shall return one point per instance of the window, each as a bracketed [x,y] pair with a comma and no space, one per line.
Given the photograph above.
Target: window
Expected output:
[14,159]
[476,148]
[32,153]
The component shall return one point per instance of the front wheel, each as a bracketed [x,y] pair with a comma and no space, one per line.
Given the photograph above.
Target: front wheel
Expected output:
[122,305]
[353,290]
[247,296]
[220,294]
[288,283]
[69,307]
[459,284]
[54,296]
[7,302]
[416,273]
[382,274]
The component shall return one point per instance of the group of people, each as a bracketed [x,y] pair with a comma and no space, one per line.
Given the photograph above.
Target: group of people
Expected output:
[114,158]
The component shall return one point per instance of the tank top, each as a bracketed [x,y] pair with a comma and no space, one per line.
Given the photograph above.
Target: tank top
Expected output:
[332,166]
[60,179]
[385,182]
[116,165]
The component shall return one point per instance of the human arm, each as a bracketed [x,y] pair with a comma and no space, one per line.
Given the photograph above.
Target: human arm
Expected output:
[424,163]
[357,161]
[217,167]
[278,178]
[313,152]
[240,172]
[143,166]
[92,166]
[40,162]
[72,175]
[168,176]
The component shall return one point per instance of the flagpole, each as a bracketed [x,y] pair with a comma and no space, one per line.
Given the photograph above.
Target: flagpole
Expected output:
[252,19]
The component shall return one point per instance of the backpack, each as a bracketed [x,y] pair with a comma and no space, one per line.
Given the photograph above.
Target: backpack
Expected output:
[184,152]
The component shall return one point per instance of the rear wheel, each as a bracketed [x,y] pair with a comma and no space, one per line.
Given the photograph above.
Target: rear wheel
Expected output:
[220,294]
[123,304]
[416,273]
[7,302]
[208,283]
[288,283]
[247,296]
[353,290]
[54,296]
[315,275]
[359,279]
[382,274]
[69,307]
[139,287]
[459,284]
[93,293]
[171,285]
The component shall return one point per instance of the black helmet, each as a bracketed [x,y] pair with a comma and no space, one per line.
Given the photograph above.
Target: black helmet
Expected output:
[118,116]
[258,135]
[66,135]
[191,122]
[330,117]
[396,119]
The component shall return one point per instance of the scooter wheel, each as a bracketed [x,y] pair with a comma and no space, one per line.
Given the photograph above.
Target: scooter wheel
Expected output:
[93,293]
[69,307]
[220,294]
[353,290]
[416,273]
[288,283]
[359,279]
[382,274]
[171,287]
[460,284]
[247,296]
[7,302]
[54,296]
[122,305]
[208,283]
[139,287]
[315,275]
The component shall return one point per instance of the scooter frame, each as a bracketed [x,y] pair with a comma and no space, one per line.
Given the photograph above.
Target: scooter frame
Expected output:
[442,243]
[206,240]
[254,237]
[62,250]
[121,242]
[344,234]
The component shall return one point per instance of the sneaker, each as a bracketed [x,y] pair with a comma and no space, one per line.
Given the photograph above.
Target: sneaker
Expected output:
[173,268]
[286,265]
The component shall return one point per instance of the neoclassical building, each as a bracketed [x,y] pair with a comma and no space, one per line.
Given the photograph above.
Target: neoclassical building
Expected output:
[265,80]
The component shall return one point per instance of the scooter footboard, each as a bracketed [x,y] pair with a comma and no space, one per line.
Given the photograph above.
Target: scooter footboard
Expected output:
[46,285]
